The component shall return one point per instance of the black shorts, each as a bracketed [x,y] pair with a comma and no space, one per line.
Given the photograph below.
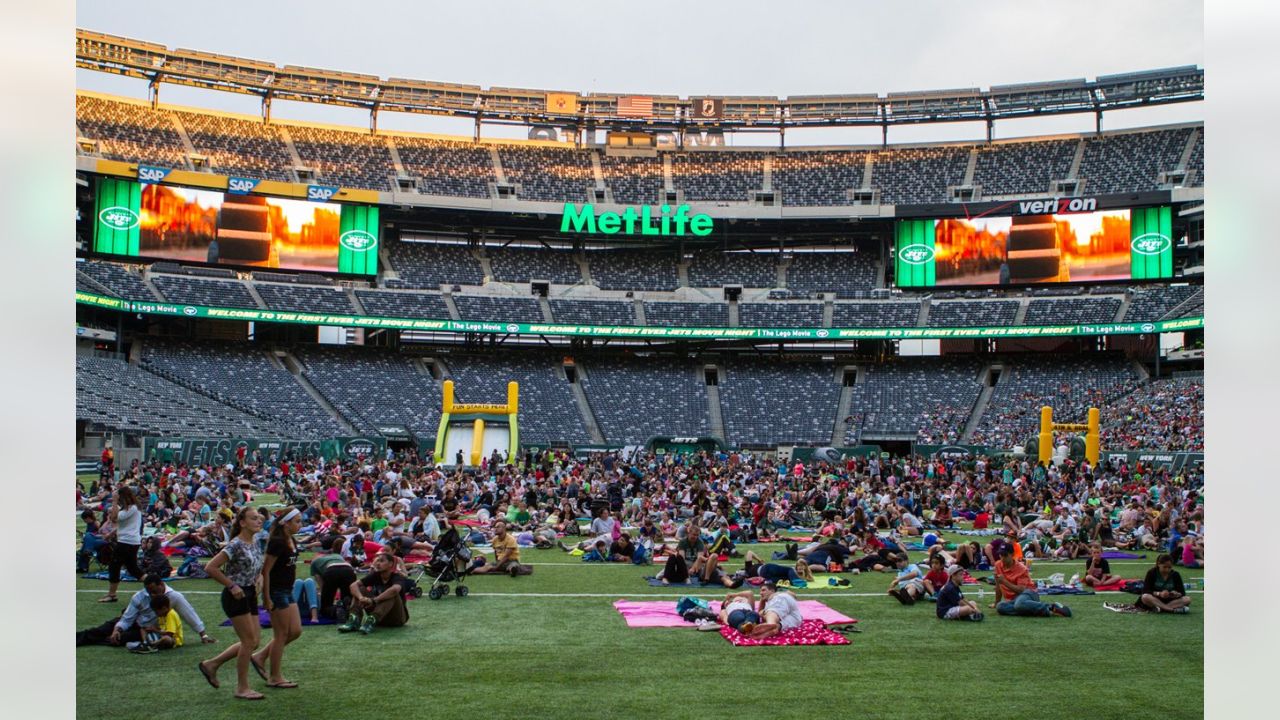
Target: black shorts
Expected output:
[248,605]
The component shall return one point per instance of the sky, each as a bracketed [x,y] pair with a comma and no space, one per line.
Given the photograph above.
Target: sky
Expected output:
[705,48]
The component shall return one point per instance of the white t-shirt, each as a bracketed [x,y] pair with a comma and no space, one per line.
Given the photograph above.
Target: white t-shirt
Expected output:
[788,611]
[129,526]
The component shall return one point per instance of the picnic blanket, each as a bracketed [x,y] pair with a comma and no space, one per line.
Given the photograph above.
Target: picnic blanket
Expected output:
[1117,555]
[821,581]
[126,577]
[1062,590]
[810,632]
[662,613]
[264,619]
[1126,608]
[1112,587]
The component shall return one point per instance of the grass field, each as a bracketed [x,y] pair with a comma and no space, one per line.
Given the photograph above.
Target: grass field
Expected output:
[551,645]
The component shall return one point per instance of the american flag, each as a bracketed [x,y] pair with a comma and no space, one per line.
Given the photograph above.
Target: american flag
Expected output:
[635,106]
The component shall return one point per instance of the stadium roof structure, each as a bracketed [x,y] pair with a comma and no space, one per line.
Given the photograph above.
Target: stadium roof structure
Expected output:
[528,106]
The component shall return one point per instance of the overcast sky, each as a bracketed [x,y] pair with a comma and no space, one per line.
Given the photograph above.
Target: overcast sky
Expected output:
[708,48]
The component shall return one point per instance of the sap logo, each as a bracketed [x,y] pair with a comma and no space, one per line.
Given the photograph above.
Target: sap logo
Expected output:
[241,186]
[149,174]
[823,333]
[357,240]
[512,327]
[1147,327]
[1151,244]
[916,254]
[188,310]
[321,193]
[117,217]
[1058,206]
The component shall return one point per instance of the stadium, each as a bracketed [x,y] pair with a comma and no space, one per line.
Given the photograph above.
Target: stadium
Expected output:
[824,352]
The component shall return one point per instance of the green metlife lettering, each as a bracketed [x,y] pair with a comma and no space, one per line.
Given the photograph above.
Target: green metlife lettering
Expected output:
[631,222]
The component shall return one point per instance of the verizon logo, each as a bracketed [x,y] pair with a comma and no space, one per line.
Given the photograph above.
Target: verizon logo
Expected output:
[1057,206]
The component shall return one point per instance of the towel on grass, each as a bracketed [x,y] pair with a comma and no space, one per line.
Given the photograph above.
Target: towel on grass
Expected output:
[264,619]
[810,632]
[821,581]
[1117,555]
[662,613]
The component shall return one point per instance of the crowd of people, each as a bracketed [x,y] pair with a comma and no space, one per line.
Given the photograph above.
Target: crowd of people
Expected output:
[683,513]
[1165,414]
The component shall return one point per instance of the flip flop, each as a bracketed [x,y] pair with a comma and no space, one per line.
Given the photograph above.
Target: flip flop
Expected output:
[283,685]
[108,599]
[255,696]
[208,675]
[262,671]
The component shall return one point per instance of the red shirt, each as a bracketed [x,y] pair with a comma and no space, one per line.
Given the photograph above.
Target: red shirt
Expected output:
[938,577]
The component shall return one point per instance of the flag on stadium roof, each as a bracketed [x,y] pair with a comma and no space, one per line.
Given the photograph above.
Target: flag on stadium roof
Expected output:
[562,103]
[635,106]
[706,108]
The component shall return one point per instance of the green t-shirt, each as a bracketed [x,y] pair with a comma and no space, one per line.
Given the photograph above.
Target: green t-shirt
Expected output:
[322,562]
[378,524]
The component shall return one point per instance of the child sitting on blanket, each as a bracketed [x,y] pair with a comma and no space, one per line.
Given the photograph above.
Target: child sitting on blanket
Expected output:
[951,602]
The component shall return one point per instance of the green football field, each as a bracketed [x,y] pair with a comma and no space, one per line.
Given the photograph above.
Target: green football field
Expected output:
[552,645]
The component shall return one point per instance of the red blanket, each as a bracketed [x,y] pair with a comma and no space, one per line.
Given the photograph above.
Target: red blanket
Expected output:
[810,632]
[1113,587]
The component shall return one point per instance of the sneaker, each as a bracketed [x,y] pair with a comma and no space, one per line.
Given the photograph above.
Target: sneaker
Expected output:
[976,617]
[1060,610]
[1183,610]
[513,571]
[708,625]
[562,546]
[142,648]
[746,627]
[366,627]
[351,624]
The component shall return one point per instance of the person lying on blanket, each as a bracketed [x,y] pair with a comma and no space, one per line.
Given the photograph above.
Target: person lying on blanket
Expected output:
[779,612]
[756,567]
[738,611]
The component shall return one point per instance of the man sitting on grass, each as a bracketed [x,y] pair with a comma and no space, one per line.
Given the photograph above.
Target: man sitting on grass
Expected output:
[1016,592]
[506,554]
[378,597]
[130,627]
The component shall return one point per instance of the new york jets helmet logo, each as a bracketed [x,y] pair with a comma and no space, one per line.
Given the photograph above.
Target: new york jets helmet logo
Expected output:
[916,254]
[1151,244]
[358,240]
[117,217]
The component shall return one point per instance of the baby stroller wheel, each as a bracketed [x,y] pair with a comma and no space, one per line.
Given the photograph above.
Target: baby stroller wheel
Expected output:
[416,591]
[437,592]
[461,591]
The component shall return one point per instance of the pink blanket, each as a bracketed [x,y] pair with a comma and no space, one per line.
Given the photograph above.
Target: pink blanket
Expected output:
[810,632]
[662,613]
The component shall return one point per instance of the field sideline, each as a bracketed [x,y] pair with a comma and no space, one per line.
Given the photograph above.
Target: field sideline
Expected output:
[551,645]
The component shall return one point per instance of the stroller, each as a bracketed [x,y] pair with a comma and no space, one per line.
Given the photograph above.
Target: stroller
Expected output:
[450,563]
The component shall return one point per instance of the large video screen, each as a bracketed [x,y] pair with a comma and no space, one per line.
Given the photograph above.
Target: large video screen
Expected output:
[1097,246]
[208,226]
